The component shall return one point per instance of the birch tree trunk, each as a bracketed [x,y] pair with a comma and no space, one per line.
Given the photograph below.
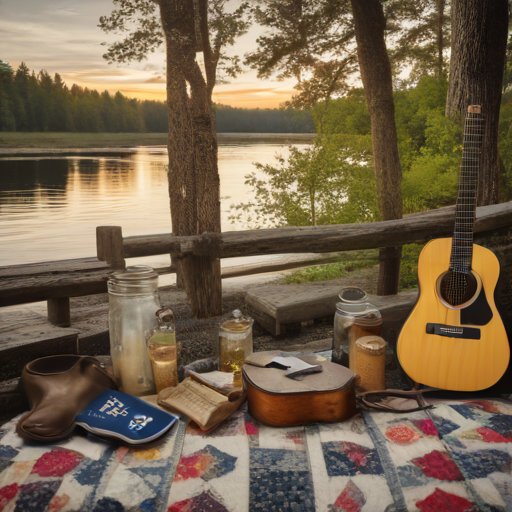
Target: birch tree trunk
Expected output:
[479,39]
[376,75]
[192,144]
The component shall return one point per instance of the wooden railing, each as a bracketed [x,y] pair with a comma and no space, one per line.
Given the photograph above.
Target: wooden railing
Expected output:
[58,280]
[415,228]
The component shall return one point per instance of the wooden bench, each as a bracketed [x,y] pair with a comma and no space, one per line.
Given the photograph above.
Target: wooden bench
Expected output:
[54,282]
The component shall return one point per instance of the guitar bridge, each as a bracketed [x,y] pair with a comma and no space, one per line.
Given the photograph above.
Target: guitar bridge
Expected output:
[454,331]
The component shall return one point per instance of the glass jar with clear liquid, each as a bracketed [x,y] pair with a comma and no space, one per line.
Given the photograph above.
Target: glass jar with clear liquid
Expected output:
[235,344]
[354,318]
[133,301]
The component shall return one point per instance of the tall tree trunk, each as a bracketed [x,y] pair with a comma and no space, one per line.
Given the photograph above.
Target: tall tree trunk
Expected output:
[479,39]
[376,74]
[193,173]
[440,4]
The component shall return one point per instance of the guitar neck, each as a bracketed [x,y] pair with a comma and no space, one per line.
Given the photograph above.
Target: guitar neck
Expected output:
[462,245]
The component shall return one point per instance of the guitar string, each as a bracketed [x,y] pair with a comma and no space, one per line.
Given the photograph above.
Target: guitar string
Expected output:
[462,242]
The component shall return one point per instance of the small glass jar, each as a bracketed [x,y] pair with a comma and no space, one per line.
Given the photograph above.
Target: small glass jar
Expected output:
[133,300]
[163,351]
[235,344]
[354,318]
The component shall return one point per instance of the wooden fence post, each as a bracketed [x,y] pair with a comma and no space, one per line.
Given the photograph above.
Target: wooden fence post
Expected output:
[389,270]
[109,245]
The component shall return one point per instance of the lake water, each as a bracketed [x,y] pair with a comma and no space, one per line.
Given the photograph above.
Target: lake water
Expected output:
[50,205]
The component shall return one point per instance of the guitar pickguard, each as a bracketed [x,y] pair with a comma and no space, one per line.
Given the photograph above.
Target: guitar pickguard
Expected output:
[478,313]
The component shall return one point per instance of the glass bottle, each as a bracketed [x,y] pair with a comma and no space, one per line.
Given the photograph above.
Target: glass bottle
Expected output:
[354,318]
[133,301]
[235,344]
[163,351]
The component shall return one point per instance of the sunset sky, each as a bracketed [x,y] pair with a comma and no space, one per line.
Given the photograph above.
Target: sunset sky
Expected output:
[63,37]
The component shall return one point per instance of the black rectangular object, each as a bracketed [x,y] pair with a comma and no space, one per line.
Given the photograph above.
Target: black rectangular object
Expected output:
[454,331]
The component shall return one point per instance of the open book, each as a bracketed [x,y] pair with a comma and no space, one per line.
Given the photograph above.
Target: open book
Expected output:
[206,399]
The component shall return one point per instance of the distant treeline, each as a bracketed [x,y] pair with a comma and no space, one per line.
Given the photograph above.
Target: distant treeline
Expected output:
[40,103]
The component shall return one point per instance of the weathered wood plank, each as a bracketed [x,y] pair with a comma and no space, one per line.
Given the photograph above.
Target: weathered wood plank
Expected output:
[276,306]
[53,267]
[43,287]
[320,239]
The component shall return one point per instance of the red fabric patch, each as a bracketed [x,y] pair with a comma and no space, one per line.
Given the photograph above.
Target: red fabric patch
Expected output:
[427,427]
[440,501]
[251,429]
[7,493]
[193,466]
[179,506]
[351,499]
[57,463]
[296,438]
[355,453]
[484,405]
[439,465]
[402,434]
[492,437]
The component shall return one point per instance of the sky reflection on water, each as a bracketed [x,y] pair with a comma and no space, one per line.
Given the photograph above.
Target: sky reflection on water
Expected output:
[50,205]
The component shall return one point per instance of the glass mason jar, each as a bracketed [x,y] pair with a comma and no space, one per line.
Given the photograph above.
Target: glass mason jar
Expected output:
[235,344]
[354,318]
[163,351]
[133,301]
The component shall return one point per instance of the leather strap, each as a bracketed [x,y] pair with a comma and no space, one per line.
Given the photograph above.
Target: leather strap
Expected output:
[383,400]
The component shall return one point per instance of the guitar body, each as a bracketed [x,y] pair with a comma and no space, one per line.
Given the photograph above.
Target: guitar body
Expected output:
[458,348]
[278,401]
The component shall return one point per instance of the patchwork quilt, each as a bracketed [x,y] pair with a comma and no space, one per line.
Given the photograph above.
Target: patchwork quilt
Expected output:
[455,457]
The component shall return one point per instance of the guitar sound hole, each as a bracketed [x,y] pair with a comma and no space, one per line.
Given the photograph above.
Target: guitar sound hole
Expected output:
[458,287]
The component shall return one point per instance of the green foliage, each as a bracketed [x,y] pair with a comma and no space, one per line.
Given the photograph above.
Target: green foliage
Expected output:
[330,182]
[505,146]
[433,175]
[357,260]
[347,115]
[348,262]
[138,21]
[256,120]
[409,266]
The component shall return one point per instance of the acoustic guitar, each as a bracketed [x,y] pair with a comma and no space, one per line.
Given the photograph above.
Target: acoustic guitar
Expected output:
[278,401]
[455,338]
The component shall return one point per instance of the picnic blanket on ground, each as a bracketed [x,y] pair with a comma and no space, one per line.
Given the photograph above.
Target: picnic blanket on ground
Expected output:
[455,457]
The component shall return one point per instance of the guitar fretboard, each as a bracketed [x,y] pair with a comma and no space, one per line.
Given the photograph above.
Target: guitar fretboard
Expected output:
[462,245]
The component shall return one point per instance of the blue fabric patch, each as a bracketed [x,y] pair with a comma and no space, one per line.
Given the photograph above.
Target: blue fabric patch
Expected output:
[108,505]
[482,463]
[280,481]
[468,412]
[7,452]
[148,505]
[90,471]
[36,495]
[349,459]
[412,476]
[501,423]
[443,426]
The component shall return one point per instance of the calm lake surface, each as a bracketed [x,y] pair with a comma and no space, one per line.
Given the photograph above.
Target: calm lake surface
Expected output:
[50,205]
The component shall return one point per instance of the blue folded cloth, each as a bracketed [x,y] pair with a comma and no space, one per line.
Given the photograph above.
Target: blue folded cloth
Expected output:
[116,414]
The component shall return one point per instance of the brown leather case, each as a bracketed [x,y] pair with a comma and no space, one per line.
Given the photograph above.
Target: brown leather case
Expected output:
[58,388]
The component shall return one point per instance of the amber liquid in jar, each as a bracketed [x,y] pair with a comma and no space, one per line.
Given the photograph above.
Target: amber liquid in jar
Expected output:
[235,338]
[163,357]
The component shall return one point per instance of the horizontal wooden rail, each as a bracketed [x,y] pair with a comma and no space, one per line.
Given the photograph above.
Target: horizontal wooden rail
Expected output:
[416,228]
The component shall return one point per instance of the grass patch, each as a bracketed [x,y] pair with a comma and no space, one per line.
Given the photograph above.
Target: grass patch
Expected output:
[357,260]
[347,262]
